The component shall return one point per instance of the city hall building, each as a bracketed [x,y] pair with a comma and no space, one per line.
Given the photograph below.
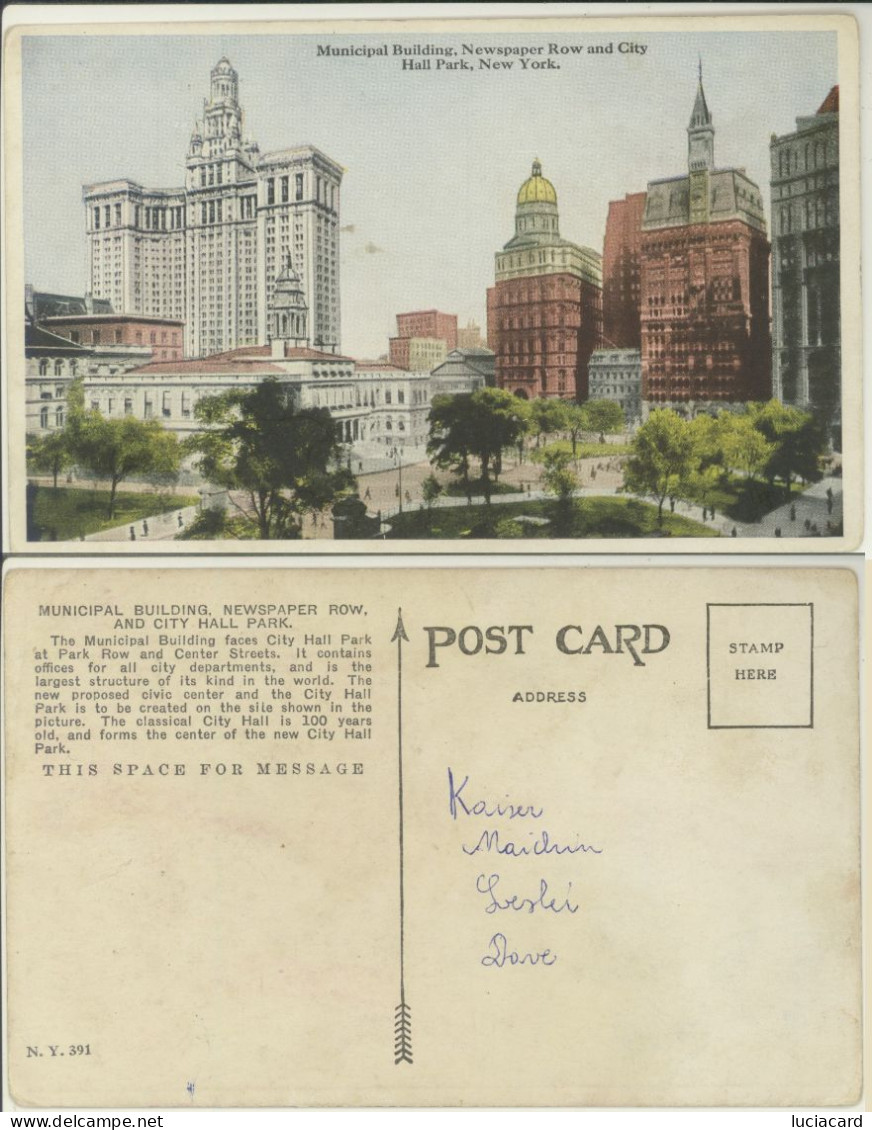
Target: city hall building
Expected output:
[207,253]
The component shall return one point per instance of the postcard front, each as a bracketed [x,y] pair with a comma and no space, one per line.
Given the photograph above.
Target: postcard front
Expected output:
[335,837]
[432,285]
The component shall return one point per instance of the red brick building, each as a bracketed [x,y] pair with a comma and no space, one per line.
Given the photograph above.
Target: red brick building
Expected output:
[421,335]
[163,336]
[429,323]
[704,283]
[544,314]
[622,254]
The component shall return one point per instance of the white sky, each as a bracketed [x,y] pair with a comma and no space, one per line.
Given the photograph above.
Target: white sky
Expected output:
[434,159]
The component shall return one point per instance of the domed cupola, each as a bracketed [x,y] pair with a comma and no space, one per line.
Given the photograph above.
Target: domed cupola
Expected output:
[288,310]
[537,189]
[536,215]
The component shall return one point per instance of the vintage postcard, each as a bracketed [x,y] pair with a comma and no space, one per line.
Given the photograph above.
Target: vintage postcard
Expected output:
[426,285]
[344,837]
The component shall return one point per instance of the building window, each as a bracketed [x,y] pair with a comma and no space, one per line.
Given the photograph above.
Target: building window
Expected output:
[139,337]
[271,190]
[74,336]
[95,337]
[118,215]
[43,417]
[152,337]
[285,193]
[96,217]
[58,368]
[107,213]
[299,188]
[128,405]
[118,337]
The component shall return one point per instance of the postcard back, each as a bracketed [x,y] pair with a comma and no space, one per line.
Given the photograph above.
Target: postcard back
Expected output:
[335,837]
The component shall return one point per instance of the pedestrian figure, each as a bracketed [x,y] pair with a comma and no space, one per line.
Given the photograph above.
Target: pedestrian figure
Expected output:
[778,531]
[396,490]
[672,503]
[733,532]
[132,534]
[808,523]
[829,503]
[792,513]
[360,466]
[144,528]
[180,519]
[367,496]
[408,497]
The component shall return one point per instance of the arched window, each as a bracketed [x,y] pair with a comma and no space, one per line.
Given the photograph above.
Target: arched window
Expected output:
[43,417]
[43,367]
[59,368]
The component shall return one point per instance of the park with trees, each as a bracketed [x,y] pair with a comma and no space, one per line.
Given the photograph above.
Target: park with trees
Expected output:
[500,467]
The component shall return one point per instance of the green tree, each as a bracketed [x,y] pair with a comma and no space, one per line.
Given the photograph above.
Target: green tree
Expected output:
[451,441]
[116,449]
[287,461]
[561,481]
[548,416]
[798,442]
[663,458]
[576,421]
[745,448]
[431,489]
[476,425]
[49,454]
[604,416]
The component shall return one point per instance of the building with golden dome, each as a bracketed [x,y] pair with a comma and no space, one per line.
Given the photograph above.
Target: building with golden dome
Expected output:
[544,313]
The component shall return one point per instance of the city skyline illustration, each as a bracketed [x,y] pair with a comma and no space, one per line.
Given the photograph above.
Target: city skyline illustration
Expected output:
[433,159]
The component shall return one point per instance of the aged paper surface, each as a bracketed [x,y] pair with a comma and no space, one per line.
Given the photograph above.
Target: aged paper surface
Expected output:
[416,837]
[432,126]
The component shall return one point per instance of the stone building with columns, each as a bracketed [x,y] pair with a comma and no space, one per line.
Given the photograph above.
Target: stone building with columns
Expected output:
[806,322]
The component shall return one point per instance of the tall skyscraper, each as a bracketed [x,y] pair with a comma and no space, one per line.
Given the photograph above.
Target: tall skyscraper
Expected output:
[209,253]
[544,315]
[806,329]
[622,255]
[704,282]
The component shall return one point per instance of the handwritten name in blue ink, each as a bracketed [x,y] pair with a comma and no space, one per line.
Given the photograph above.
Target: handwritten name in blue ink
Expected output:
[544,900]
[500,955]
[461,806]
[490,840]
